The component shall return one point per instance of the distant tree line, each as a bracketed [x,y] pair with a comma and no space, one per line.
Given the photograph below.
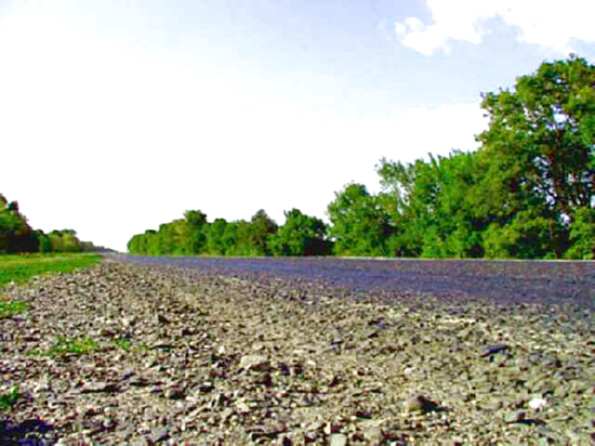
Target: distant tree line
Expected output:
[260,236]
[16,236]
[527,192]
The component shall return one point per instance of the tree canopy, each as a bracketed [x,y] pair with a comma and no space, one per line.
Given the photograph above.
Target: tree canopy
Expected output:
[301,235]
[16,236]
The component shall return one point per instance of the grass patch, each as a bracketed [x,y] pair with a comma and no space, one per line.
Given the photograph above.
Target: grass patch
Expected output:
[7,400]
[20,268]
[123,344]
[128,345]
[63,346]
[12,307]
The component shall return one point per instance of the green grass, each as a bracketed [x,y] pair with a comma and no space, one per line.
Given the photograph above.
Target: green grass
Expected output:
[11,308]
[63,346]
[7,400]
[20,268]
[123,344]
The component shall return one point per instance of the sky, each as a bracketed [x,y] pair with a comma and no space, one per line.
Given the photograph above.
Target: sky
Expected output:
[117,116]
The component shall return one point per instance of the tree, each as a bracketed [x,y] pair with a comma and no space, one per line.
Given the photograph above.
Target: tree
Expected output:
[300,235]
[216,243]
[195,232]
[359,225]
[137,245]
[582,235]
[519,194]
[229,239]
[538,152]
[45,244]
[527,236]
[64,240]
[432,206]
[15,233]
[261,228]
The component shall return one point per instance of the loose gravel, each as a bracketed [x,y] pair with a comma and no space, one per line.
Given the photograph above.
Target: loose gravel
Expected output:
[128,354]
[499,282]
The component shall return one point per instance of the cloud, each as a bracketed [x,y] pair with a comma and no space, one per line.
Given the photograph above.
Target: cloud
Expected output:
[551,24]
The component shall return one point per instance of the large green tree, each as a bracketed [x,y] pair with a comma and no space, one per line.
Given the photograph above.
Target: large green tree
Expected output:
[540,139]
[537,156]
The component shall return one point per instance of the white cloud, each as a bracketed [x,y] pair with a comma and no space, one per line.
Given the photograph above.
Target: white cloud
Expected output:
[551,24]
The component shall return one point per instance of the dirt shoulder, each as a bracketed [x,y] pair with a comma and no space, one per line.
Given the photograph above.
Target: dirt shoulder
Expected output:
[176,357]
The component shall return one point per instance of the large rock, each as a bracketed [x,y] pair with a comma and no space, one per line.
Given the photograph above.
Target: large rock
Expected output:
[254,362]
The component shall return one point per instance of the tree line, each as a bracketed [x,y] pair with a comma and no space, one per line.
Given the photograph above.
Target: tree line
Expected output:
[260,236]
[16,236]
[527,192]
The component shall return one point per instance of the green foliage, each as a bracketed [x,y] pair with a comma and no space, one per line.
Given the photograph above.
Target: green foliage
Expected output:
[45,244]
[12,308]
[15,233]
[432,206]
[195,235]
[16,236]
[230,236]
[518,194]
[8,400]
[260,229]
[64,346]
[64,240]
[20,268]
[195,232]
[528,235]
[360,225]
[582,235]
[301,235]
[123,344]
[540,139]
[216,241]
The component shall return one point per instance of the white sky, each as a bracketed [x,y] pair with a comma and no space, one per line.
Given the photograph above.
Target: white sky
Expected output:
[111,126]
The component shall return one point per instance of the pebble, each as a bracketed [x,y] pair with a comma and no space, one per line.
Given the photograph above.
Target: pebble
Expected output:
[338,440]
[537,403]
[254,362]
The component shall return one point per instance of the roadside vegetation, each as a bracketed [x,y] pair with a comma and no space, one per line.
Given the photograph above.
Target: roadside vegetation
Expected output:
[527,192]
[20,268]
[63,346]
[12,308]
[9,399]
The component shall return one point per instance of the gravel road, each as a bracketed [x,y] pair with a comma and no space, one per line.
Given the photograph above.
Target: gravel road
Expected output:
[501,282]
[143,355]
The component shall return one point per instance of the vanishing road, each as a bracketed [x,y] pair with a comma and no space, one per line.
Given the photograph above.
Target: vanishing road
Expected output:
[501,281]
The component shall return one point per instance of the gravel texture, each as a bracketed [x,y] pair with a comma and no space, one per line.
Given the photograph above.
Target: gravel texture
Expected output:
[500,282]
[195,356]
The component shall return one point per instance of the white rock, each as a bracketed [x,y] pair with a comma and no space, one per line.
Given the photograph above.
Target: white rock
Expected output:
[338,440]
[254,362]
[537,403]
